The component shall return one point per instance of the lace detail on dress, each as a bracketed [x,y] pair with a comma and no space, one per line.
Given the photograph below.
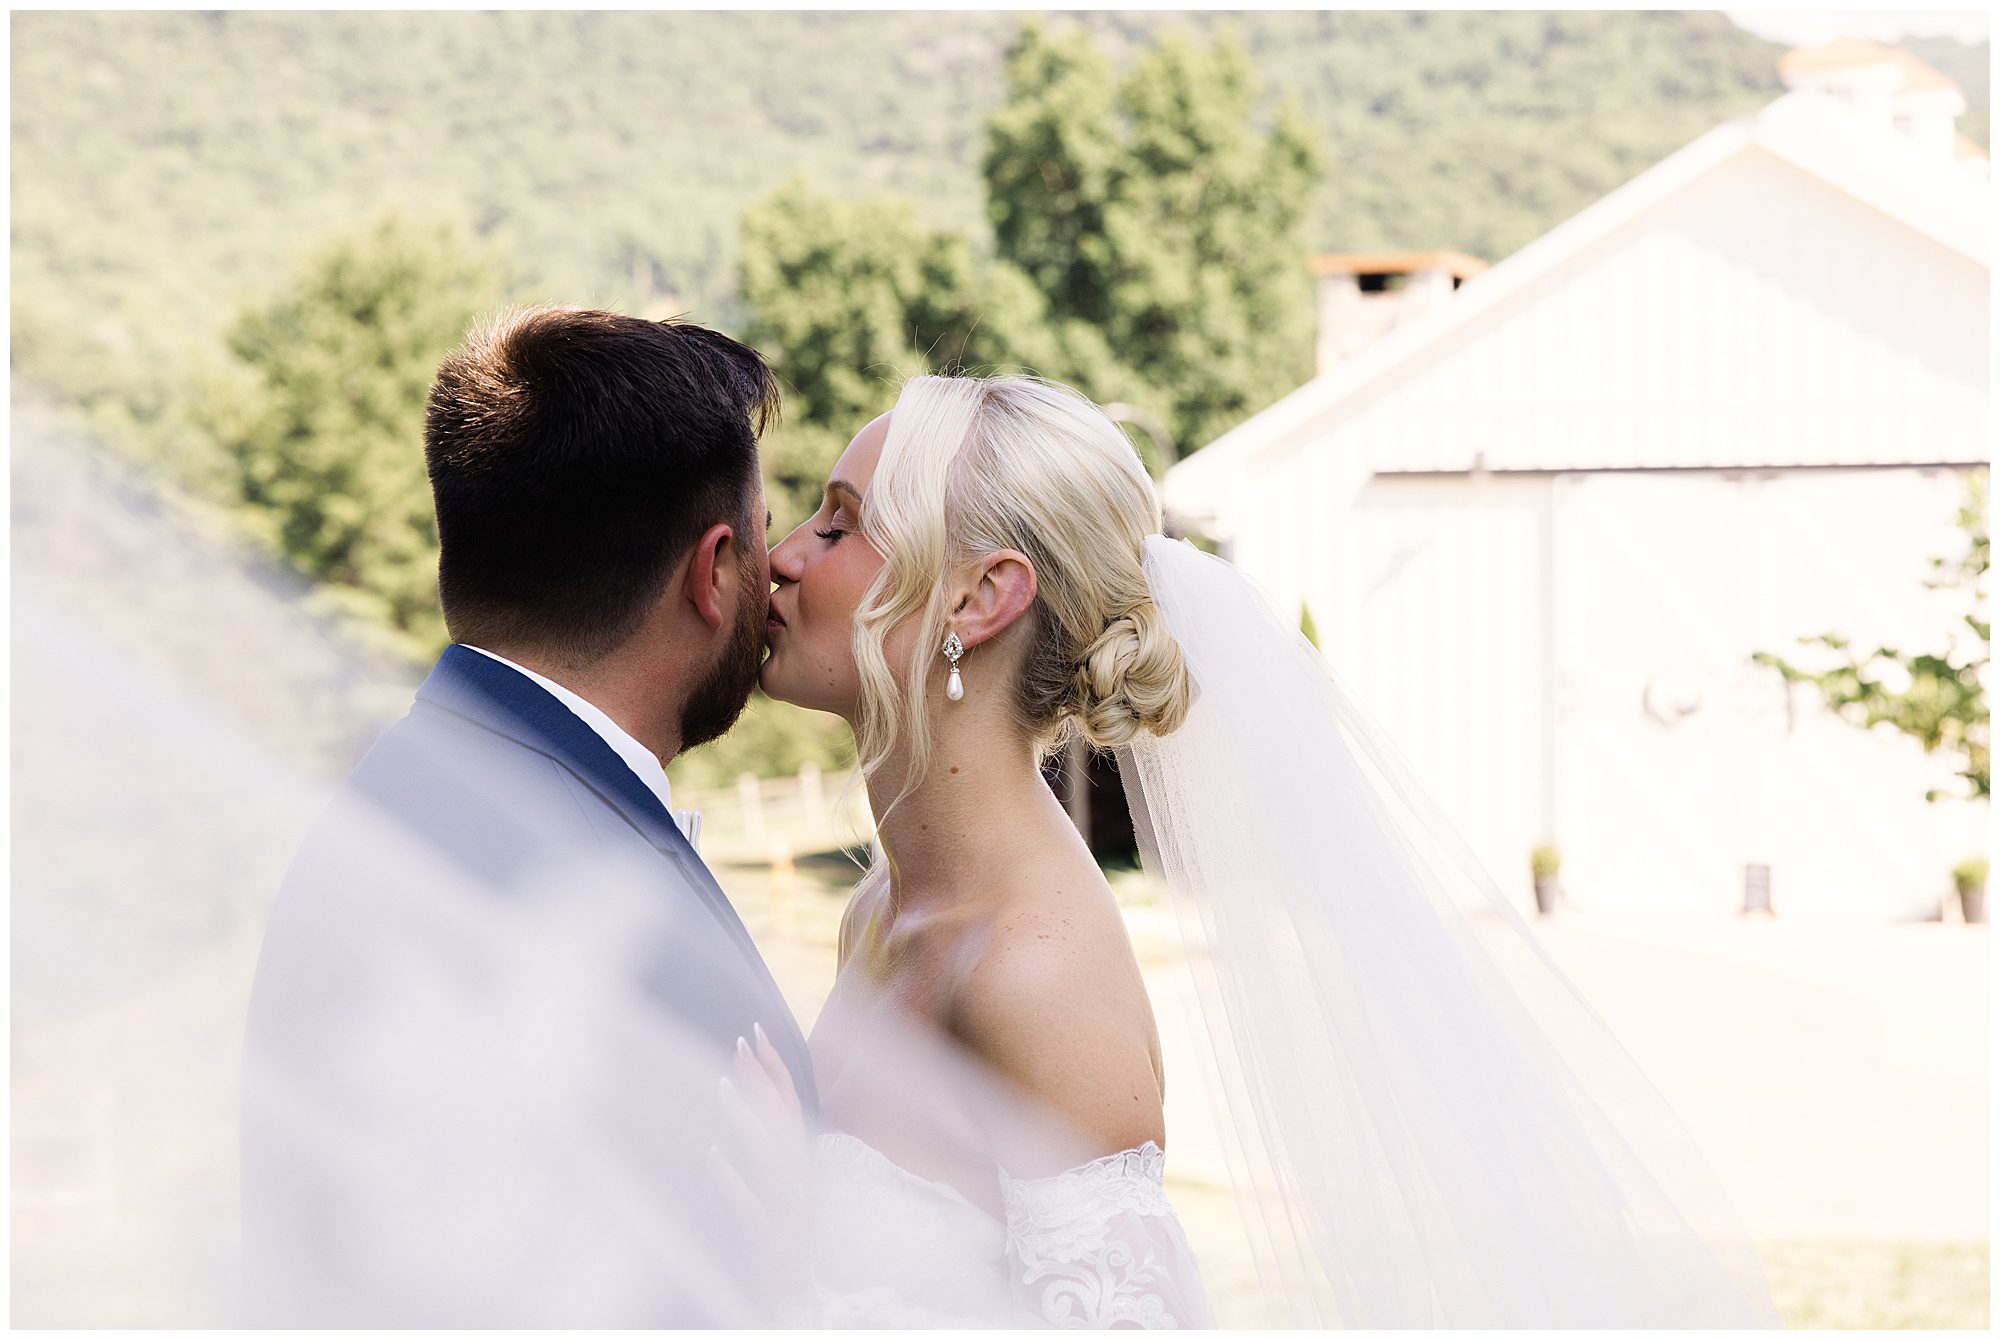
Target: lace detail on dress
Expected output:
[1061,1218]
[1099,1245]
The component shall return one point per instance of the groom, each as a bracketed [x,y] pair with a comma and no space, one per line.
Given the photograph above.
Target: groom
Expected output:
[499,984]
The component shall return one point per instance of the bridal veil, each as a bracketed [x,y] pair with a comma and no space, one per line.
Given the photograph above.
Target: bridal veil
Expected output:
[1427,1124]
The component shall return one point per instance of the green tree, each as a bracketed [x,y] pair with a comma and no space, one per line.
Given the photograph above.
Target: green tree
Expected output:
[848,300]
[1937,697]
[320,416]
[1157,212]
[845,299]
[845,296]
[1148,236]
[1209,292]
[1054,152]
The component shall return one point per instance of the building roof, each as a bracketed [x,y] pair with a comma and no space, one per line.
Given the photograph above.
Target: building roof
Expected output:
[1799,129]
[1459,264]
[1848,53]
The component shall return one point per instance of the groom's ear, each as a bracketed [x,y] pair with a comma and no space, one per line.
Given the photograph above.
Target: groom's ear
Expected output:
[1003,587]
[708,571]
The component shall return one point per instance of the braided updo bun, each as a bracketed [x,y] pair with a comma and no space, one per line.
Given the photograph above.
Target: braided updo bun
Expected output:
[1130,679]
[972,466]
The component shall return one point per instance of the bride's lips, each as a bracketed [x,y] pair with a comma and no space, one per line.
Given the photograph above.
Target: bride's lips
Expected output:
[773,620]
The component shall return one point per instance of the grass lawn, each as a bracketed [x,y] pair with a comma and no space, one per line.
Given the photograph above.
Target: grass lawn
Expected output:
[1816,1285]
[1879,1285]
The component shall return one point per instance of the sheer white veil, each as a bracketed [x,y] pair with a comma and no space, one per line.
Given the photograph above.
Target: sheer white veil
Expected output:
[1428,1125]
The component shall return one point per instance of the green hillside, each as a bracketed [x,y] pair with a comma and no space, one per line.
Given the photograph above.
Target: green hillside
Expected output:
[1970,68]
[170,167]
[241,241]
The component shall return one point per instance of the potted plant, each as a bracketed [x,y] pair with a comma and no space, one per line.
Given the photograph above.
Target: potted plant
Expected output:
[1544,862]
[1970,876]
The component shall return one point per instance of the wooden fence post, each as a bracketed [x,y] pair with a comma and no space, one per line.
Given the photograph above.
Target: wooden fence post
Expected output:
[750,797]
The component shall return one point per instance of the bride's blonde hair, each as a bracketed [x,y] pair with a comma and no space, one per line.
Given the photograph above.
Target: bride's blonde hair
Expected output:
[972,465]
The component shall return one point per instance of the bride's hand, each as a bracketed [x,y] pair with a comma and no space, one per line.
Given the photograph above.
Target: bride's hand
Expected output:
[764,1174]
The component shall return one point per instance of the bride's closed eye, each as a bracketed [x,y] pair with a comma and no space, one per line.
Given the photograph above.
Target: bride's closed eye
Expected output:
[842,499]
[834,529]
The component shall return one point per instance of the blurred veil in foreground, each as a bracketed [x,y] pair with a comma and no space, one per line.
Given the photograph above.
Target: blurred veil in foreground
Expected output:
[460,1101]
[450,1151]
[465,1105]
[177,721]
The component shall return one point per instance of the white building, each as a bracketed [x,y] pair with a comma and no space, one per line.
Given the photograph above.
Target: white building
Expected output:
[1544,513]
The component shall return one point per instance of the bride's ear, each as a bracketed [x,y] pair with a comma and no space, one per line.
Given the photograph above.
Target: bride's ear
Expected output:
[1002,588]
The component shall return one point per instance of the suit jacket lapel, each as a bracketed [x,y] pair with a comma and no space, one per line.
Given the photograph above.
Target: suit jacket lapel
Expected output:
[491,695]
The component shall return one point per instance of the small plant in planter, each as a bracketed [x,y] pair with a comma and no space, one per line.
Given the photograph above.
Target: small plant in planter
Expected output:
[1544,862]
[1970,876]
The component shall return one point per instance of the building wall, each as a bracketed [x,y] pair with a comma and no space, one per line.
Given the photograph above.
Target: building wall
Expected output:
[1567,657]
[1704,435]
[1431,607]
[1665,586]
[1543,547]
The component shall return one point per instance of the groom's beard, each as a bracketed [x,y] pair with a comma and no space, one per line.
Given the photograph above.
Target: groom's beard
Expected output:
[718,700]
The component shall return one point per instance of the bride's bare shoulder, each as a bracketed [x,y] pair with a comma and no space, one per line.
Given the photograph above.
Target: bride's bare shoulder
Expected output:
[1054,1000]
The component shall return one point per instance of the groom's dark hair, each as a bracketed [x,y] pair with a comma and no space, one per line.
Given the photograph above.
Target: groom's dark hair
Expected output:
[575,456]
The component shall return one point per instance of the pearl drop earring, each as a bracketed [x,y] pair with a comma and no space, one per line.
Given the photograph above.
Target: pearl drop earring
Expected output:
[954,687]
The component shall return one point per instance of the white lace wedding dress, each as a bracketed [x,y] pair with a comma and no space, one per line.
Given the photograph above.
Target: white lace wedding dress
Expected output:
[1098,1245]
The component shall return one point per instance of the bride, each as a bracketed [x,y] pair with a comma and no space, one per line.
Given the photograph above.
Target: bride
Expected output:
[987,921]
[1425,1124]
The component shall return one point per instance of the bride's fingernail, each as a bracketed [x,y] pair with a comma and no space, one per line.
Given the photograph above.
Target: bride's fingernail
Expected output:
[758,1029]
[742,1050]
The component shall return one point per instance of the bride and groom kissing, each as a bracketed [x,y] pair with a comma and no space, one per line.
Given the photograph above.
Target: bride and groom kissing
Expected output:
[514,1059]
[605,579]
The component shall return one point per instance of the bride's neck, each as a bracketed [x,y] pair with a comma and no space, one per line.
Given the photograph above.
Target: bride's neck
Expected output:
[980,809]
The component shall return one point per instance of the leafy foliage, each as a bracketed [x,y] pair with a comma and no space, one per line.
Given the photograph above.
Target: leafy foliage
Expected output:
[1937,697]
[1053,154]
[321,419]
[844,298]
[1544,862]
[166,165]
[1076,193]
[848,300]
[1158,212]
[1148,236]
[1306,626]
[770,739]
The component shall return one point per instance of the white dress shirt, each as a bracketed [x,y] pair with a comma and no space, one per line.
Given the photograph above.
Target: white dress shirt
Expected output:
[645,764]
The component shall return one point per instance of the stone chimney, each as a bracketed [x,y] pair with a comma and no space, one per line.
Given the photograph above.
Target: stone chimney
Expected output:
[1888,90]
[1365,295]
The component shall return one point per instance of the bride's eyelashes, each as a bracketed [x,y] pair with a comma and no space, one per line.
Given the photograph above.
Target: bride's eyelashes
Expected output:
[834,530]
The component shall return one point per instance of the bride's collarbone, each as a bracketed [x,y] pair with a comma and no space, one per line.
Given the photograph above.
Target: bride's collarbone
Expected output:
[1054,951]
[1051,926]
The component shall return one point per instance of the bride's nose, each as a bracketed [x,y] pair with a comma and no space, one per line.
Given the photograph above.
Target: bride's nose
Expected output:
[785,558]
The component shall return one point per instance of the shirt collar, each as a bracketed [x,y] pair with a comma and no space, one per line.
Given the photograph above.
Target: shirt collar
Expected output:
[644,763]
